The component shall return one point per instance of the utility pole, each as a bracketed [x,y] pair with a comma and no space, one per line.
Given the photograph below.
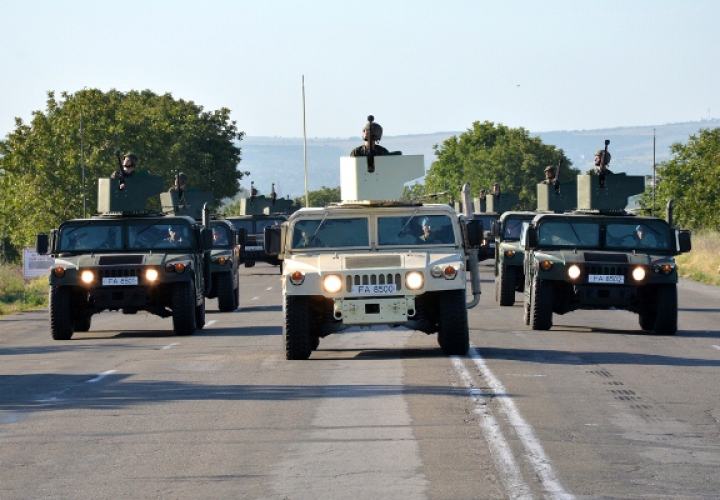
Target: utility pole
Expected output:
[654,178]
[307,194]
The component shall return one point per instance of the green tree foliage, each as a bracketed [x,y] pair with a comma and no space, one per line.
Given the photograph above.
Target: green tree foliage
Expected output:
[42,161]
[414,192]
[690,179]
[486,154]
[320,198]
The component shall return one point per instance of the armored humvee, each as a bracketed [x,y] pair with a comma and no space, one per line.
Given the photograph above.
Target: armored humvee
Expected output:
[376,262]
[601,257]
[126,258]
[224,281]
[509,255]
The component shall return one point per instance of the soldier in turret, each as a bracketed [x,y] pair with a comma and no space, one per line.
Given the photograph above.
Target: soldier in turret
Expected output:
[130,161]
[551,175]
[181,180]
[372,133]
[601,163]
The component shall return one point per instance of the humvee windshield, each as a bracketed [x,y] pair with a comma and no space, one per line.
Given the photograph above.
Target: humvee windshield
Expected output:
[89,236]
[155,235]
[568,233]
[415,230]
[261,224]
[325,233]
[513,228]
[221,236]
[246,224]
[628,234]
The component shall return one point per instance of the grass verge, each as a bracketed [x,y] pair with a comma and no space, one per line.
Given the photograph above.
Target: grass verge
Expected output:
[17,295]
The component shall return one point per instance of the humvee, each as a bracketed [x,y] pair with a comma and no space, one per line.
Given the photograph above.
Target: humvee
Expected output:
[126,258]
[509,255]
[595,258]
[364,262]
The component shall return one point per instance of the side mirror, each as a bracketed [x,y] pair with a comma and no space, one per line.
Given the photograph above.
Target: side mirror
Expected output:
[474,232]
[684,243]
[529,238]
[273,240]
[495,229]
[241,236]
[41,244]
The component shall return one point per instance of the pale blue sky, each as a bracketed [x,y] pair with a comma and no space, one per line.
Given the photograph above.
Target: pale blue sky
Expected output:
[418,66]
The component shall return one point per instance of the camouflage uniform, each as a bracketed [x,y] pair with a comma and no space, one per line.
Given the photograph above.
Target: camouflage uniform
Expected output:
[362,151]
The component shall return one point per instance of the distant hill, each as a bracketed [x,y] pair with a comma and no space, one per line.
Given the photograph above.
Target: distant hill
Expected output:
[280,160]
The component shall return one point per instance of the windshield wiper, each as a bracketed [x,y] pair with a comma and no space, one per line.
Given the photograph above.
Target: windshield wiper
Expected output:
[312,238]
[402,231]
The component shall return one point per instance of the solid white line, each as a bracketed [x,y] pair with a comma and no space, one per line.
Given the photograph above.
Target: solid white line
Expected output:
[100,376]
[717,347]
[505,464]
[169,346]
[211,322]
[535,452]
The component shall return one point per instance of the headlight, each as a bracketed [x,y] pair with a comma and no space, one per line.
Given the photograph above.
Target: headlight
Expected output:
[332,283]
[414,280]
[638,273]
[297,278]
[546,265]
[509,254]
[151,274]
[573,272]
[87,277]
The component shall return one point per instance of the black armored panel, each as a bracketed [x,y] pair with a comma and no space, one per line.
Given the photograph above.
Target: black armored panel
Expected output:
[133,198]
[561,200]
[191,204]
[612,194]
[262,205]
[501,203]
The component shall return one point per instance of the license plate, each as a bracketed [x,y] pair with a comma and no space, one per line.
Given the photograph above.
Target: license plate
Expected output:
[254,248]
[373,289]
[132,280]
[606,278]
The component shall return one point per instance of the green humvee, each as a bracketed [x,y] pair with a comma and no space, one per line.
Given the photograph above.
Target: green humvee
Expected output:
[509,255]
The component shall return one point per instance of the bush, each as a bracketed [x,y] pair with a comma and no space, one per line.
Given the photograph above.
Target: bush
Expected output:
[16,295]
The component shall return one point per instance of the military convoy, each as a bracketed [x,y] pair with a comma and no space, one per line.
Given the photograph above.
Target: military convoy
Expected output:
[373,259]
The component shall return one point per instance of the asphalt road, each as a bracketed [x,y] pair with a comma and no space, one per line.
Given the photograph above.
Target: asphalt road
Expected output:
[590,409]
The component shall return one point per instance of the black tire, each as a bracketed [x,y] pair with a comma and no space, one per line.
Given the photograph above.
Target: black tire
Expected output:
[61,326]
[236,296]
[314,342]
[200,315]
[506,283]
[453,335]
[541,305]
[296,330]
[225,292]
[647,309]
[667,306]
[526,308]
[183,308]
[82,325]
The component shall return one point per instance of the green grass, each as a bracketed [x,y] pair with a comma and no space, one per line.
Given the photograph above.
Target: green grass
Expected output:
[703,261]
[16,295]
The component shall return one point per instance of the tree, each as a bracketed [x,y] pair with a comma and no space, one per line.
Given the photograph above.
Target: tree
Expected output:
[486,154]
[690,179]
[320,198]
[42,183]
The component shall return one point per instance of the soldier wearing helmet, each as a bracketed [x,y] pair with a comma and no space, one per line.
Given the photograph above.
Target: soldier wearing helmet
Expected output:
[550,175]
[130,161]
[372,133]
[181,180]
[602,160]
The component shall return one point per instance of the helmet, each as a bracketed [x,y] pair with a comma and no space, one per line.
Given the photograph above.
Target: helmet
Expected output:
[182,177]
[132,156]
[639,228]
[374,128]
[551,167]
[601,153]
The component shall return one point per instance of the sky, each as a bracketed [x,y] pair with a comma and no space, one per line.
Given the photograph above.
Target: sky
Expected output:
[418,66]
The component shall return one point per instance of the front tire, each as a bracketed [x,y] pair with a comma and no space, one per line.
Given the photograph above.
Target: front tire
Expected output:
[541,305]
[225,292]
[453,335]
[506,283]
[83,324]
[200,315]
[183,308]
[296,330]
[666,314]
[61,326]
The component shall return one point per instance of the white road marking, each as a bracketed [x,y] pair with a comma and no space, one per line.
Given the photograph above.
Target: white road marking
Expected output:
[269,288]
[717,347]
[505,464]
[211,322]
[170,346]
[100,376]
[535,452]
[255,298]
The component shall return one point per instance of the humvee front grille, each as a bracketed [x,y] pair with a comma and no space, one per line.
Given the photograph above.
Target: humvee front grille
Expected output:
[119,273]
[120,260]
[373,279]
[370,261]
